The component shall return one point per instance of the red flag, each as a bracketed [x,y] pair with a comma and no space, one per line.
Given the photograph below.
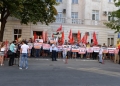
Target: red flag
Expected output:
[43,36]
[35,35]
[59,29]
[72,40]
[84,39]
[46,37]
[70,36]
[95,39]
[63,37]
[78,37]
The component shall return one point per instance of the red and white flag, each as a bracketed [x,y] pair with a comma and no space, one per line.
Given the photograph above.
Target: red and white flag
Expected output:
[63,37]
[95,39]
[46,37]
[35,36]
[70,36]
[59,29]
[84,39]
[43,36]
[78,37]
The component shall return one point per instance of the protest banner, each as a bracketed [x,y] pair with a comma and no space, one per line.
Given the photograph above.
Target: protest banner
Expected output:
[111,50]
[75,48]
[59,48]
[89,49]
[46,46]
[96,49]
[105,50]
[82,50]
[37,45]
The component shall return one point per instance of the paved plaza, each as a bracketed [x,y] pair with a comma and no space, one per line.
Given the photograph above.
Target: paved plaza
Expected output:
[77,72]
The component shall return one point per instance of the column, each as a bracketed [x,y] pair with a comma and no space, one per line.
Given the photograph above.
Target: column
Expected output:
[68,11]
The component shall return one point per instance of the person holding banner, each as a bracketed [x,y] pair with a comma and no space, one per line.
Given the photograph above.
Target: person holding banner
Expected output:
[87,53]
[54,52]
[37,47]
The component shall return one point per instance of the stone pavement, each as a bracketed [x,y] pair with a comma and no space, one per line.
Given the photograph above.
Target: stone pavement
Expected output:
[78,72]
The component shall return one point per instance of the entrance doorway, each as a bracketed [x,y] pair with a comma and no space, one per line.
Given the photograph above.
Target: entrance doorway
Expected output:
[37,34]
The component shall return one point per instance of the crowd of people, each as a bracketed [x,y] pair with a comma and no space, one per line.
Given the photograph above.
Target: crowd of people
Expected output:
[25,49]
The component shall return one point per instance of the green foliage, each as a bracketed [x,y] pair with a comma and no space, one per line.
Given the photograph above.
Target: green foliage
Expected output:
[115,19]
[30,10]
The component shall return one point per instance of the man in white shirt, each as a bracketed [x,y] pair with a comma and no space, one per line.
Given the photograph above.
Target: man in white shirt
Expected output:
[54,52]
[24,55]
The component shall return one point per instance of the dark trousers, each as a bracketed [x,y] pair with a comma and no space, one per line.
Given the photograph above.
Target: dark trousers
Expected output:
[95,55]
[11,60]
[37,52]
[54,55]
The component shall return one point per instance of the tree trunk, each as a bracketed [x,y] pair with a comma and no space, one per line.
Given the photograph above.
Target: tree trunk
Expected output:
[2,29]
[4,15]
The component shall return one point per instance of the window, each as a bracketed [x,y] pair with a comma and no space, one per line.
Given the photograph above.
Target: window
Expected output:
[74,1]
[59,15]
[58,0]
[110,40]
[17,33]
[95,15]
[110,0]
[60,18]
[74,15]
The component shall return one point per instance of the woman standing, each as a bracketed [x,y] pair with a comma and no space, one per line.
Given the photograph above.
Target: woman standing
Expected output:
[2,51]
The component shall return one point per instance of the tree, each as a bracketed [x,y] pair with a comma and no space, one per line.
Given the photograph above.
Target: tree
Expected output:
[27,11]
[114,23]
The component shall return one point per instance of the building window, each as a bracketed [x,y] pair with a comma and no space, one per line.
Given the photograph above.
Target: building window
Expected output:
[74,1]
[59,15]
[59,18]
[95,15]
[58,0]
[17,33]
[110,0]
[110,40]
[74,15]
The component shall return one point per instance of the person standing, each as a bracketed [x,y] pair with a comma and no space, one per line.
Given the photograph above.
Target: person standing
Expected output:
[64,53]
[12,56]
[54,52]
[24,55]
[2,53]
[100,55]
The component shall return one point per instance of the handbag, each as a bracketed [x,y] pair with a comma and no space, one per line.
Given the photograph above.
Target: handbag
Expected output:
[9,52]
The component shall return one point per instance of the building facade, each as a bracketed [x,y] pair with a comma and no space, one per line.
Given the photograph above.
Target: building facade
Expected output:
[84,15]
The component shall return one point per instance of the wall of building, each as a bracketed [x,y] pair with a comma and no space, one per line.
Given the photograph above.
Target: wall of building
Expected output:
[84,8]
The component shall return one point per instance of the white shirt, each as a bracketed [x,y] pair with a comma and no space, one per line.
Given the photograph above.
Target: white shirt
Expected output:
[101,51]
[24,48]
[54,47]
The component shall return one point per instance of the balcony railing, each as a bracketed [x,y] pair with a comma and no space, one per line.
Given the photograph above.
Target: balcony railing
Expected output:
[60,20]
[77,21]
[72,21]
